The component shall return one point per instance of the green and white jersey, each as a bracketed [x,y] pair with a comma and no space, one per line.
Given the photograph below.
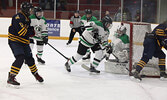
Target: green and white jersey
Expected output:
[84,20]
[120,43]
[121,47]
[87,37]
[40,27]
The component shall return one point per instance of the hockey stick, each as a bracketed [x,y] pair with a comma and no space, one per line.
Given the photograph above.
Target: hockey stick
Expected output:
[57,51]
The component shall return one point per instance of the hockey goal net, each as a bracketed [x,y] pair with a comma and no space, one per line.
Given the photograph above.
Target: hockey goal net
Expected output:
[136,32]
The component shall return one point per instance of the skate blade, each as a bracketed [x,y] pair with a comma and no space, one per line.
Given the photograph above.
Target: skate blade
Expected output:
[163,79]
[135,79]
[13,86]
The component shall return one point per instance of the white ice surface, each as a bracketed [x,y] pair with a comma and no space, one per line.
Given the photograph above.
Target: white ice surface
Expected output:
[77,85]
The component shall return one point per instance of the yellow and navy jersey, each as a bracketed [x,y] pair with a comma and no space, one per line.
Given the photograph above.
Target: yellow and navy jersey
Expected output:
[20,29]
[161,33]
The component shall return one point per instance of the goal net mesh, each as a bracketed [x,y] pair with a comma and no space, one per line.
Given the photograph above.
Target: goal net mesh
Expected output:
[136,32]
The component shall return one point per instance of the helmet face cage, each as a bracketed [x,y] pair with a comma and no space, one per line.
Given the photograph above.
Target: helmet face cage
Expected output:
[121,30]
[26,8]
[88,13]
[38,12]
[107,22]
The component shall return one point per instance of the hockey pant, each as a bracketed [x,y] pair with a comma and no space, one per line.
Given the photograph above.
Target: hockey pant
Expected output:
[151,49]
[22,52]
[73,33]
[82,51]
[40,45]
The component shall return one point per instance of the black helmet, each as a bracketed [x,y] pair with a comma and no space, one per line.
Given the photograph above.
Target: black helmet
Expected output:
[88,11]
[36,10]
[105,20]
[25,8]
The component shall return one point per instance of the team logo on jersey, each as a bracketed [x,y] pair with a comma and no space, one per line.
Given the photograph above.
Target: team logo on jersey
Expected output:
[21,24]
[17,17]
[38,28]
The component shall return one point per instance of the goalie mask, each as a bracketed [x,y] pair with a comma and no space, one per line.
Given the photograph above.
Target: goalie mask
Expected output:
[107,22]
[120,31]
[38,12]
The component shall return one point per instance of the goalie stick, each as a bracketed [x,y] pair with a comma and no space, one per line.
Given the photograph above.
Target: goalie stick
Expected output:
[57,51]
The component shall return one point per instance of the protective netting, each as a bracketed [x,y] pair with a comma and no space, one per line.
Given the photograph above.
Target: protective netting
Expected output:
[136,32]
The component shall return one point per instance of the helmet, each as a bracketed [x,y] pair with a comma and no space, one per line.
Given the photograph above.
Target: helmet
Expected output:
[121,30]
[107,20]
[38,12]
[88,11]
[26,7]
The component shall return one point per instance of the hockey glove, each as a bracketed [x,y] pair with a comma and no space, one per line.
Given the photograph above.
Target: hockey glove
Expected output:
[45,40]
[96,35]
[109,48]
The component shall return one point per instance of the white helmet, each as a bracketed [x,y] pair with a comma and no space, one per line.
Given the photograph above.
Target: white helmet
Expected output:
[121,30]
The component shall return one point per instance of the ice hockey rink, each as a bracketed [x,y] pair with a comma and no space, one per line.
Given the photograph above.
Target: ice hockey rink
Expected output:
[77,85]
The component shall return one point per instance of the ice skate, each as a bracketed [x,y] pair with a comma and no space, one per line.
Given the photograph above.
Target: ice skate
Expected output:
[12,82]
[163,76]
[67,43]
[67,67]
[38,77]
[93,69]
[86,58]
[41,61]
[136,76]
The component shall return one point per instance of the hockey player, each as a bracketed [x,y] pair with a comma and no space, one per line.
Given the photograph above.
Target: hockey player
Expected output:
[38,21]
[75,24]
[94,37]
[153,43]
[18,39]
[120,45]
[84,20]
